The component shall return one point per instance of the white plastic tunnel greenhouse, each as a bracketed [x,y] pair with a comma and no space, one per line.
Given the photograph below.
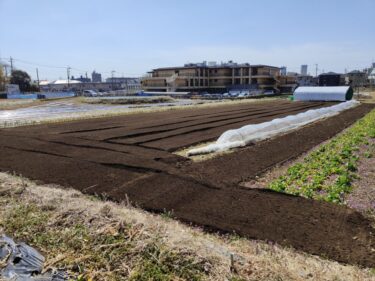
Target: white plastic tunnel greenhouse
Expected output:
[339,93]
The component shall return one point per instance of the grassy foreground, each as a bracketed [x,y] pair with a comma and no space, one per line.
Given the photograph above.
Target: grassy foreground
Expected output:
[96,240]
[328,172]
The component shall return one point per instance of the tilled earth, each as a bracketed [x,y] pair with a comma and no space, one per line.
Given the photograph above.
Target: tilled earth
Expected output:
[131,158]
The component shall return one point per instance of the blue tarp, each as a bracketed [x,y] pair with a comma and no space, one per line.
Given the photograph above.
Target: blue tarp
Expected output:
[22,96]
[42,95]
[57,95]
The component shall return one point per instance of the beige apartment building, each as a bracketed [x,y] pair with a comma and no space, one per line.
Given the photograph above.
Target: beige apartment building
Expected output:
[212,77]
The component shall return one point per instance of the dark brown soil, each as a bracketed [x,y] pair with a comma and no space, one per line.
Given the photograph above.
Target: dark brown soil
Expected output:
[130,156]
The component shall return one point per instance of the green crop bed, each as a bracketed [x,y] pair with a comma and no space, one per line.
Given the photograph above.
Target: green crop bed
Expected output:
[327,173]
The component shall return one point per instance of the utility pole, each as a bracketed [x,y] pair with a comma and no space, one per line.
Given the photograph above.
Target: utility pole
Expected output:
[11,65]
[68,75]
[316,70]
[112,72]
[6,70]
[37,76]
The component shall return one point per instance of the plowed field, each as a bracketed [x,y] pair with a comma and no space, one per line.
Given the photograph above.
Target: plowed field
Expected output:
[131,157]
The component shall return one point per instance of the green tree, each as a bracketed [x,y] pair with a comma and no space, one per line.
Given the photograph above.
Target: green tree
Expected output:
[22,79]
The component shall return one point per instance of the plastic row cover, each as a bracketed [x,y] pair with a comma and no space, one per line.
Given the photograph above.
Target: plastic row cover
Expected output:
[339,93]
[252,133]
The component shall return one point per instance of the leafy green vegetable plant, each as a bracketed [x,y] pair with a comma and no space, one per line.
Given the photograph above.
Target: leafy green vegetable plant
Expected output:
[327,173]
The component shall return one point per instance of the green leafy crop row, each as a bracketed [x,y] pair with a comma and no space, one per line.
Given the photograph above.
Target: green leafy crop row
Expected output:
[328,172]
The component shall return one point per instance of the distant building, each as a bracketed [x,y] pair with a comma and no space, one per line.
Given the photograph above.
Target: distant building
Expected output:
[304,70]
[96,77]
[307,80]
[356,78]
[82,79]
[133,84]
[126,82]
[212,77]
[371,77]
[330,79]
[77,86]
[121,80]
[290,73]
[287,83]
[283,70]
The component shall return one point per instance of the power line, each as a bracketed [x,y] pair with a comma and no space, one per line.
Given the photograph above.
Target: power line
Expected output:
[61,67]
[35,64]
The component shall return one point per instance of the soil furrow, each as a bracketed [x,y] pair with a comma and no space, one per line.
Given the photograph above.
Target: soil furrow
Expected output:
[215,123]
[84,155]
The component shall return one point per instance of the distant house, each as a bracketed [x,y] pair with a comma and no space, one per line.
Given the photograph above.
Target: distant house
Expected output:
[330,79]
[357,78]
[289,82]
[307,80]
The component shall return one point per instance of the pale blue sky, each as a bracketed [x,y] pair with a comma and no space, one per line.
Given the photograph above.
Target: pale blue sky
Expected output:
[132,37]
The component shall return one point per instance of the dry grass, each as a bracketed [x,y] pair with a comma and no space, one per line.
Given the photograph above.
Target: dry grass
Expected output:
[6,104]
[366,96]
[108,241]
[128,100]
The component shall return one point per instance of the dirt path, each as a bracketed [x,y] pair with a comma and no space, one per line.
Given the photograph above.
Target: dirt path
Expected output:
[362,198]
[130,156]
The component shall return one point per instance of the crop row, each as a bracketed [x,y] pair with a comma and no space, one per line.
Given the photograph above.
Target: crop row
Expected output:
[327,173]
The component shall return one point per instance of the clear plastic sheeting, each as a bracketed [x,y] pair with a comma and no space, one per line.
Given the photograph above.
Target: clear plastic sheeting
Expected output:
[339,93]
[253,133]
[23,263]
